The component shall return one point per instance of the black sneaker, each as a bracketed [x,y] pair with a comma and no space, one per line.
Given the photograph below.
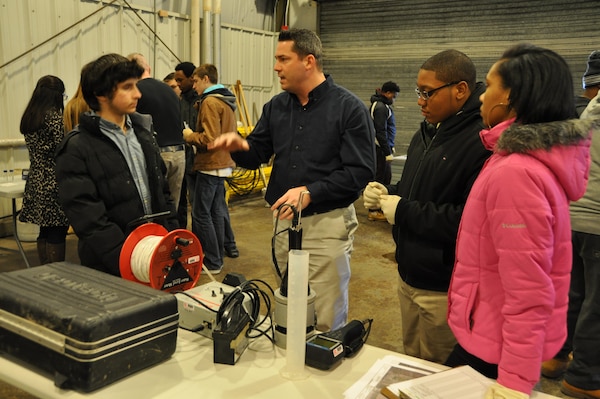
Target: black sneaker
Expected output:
[232,252]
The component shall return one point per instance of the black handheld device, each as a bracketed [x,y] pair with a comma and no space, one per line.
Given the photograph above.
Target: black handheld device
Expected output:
[353,335]
[323,353]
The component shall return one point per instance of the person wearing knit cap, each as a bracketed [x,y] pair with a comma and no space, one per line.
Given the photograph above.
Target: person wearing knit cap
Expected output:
[591,77]
[590,80]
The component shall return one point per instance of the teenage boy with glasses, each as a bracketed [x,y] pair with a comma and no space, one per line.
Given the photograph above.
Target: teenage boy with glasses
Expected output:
[425,206]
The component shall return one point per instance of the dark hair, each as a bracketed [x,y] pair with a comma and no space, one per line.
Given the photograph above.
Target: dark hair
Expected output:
[305,42]
[100,77]
[170,76]
[207,70]
[452,66]
[390,86]
[540,83]
[47,95]
[186,67]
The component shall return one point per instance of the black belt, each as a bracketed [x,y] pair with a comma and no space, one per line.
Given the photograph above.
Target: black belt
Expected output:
[172,148]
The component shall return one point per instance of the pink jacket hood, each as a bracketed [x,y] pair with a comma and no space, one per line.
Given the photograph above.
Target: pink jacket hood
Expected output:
[557,145]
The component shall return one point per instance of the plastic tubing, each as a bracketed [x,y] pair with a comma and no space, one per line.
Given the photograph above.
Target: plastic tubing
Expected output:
[296,315]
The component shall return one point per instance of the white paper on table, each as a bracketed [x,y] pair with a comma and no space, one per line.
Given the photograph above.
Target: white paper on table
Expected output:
[386,371]
[458,383]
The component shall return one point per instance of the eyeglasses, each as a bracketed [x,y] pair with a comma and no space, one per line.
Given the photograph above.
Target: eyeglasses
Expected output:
[426,94]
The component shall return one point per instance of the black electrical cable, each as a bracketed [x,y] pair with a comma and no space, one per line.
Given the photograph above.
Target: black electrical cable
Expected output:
[250,289]
[367,323]
[228,303]
[276,233]
[255,293]
[243,181]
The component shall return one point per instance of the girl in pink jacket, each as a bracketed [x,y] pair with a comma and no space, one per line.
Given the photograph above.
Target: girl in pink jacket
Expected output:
[509,290]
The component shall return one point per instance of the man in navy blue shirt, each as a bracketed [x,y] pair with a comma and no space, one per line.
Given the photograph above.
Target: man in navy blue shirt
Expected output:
[323,140]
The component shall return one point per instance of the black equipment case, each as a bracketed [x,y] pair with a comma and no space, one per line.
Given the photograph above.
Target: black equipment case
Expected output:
[84,327]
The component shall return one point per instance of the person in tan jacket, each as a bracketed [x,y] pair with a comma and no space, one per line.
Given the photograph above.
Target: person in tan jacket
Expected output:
[209,208]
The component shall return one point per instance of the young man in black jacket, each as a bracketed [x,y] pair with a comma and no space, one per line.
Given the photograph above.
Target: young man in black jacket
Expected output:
[443,159]
[109,169]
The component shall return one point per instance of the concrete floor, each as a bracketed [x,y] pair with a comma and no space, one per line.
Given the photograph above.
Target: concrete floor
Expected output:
[372,288]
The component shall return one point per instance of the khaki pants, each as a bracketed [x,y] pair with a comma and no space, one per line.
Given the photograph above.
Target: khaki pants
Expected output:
[328,239]
[425,330]
[175,163]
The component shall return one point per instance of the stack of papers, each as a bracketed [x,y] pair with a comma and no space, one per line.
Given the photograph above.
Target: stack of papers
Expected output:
[457,383]
[396,377]
[387,371]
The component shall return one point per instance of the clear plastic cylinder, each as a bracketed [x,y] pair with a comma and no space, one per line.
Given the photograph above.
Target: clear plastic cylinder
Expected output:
[296,315]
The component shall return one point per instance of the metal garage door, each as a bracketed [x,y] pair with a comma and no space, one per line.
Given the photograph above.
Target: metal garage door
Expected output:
[367,42]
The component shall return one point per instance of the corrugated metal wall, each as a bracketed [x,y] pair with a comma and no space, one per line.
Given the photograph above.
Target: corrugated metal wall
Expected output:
[247,55]
[57,37]
[368,42]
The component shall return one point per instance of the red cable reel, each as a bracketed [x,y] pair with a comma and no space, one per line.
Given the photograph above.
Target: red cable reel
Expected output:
[168,261]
